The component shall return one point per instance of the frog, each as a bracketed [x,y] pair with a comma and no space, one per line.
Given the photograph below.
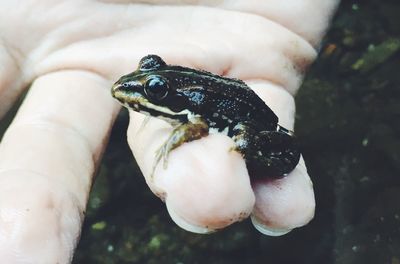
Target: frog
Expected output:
[197,103]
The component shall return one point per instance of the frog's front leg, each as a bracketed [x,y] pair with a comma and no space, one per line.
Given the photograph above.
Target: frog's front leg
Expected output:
[196,128]
[267,153]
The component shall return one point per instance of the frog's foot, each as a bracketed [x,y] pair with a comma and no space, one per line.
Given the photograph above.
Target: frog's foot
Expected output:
[267,153]
[186,132]
[161,153]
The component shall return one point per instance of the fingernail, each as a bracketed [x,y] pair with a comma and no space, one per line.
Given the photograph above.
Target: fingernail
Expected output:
[268,230]
[185,225]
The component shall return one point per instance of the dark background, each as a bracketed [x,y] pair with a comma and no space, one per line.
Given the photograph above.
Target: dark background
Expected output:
[348,122]
[348,114]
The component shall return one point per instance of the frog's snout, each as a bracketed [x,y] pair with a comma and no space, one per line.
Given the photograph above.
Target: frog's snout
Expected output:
[128,94]
[115,89]
[121,89]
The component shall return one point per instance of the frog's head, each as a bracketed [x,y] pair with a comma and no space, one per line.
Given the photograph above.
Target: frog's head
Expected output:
[149,90]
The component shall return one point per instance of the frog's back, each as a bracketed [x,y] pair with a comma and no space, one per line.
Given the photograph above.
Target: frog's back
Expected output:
[234,99]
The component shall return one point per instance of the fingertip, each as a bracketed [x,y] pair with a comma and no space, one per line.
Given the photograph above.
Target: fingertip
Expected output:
[268,231]
[285,203]
[186,225]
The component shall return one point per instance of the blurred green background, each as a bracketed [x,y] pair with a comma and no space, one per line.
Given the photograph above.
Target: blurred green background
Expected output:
[348,122]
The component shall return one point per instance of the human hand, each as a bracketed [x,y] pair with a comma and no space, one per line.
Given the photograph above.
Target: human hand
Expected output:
[72,51]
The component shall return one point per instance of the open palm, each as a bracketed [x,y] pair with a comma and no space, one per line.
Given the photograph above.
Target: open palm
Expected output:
[72,51]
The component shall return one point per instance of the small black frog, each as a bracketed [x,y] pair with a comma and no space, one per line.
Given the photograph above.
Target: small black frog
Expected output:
[197,103]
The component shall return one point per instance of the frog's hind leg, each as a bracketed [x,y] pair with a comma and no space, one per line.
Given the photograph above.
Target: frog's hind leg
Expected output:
[186,132]
[278,150]
[267,153]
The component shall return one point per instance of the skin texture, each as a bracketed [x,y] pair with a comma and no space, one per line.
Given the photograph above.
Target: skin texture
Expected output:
[72,51]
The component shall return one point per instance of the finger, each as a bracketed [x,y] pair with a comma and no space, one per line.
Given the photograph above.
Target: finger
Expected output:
[47,159]
[283,204]
[205,185]
[307,18]
[287,203]
[206,38]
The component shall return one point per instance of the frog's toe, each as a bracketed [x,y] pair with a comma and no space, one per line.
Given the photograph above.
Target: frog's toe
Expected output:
[162,154]
[165,158]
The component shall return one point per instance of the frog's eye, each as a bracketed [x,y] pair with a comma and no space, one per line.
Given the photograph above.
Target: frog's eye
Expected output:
[156,88]
[151,62]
